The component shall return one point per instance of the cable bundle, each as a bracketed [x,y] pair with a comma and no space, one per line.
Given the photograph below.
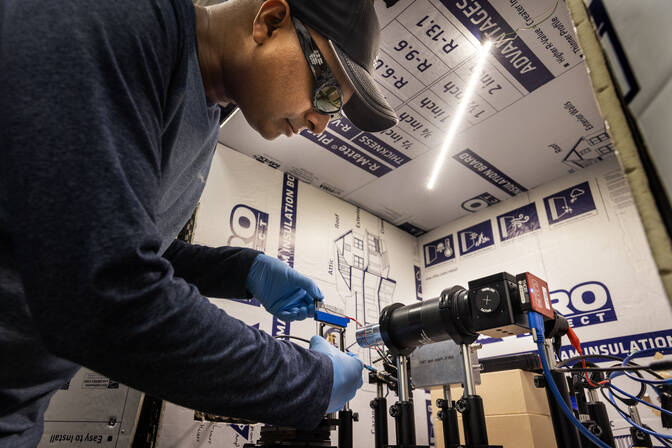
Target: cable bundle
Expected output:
[537,327]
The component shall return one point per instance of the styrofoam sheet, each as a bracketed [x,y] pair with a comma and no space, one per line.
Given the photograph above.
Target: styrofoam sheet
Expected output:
[583,235]
[360,263]
[533,118]
[91,410]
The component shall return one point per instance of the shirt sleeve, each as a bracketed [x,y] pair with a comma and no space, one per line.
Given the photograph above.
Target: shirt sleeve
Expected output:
[218,272]
[82,85]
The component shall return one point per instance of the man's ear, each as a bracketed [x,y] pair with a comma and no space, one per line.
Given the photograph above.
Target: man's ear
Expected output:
[272,15]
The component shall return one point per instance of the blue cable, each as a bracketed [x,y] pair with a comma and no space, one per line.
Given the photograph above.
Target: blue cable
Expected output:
[643,353]
[537,324]
[627,418]
[663,442]
[651,405]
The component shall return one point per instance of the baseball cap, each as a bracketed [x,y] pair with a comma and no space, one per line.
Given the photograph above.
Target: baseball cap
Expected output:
[353,32]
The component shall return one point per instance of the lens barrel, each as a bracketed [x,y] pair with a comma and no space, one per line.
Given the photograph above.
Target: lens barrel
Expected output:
[403,327]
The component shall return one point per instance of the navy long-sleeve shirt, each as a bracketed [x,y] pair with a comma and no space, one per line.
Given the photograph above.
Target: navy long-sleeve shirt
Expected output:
[106,138]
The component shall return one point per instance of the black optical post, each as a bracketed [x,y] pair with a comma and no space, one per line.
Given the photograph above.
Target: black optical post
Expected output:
[597,411]
[448,416]
[345,416]
[471,407]
[379,406]
[402,410]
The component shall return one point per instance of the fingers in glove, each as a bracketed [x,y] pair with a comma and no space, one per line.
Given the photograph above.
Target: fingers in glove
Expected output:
[292,300]
[286,316]
[316,341]
[304,282]
[302,314]
[310,310]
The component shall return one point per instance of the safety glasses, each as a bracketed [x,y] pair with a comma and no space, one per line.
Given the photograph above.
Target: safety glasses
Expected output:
[327,96]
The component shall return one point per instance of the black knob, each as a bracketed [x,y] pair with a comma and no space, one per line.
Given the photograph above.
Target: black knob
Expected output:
[487,300]
[372,403]
[394,410]
[595,429]
[461,405]
[355,416]
[441,414]
[441,403]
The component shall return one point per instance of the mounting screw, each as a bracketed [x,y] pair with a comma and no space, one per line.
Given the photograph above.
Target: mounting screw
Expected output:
[595,429]
[112,422]
[394,410]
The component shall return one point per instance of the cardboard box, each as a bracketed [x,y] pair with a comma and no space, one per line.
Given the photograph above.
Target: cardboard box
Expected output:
[516,412]
[520,431]
[508,392]
[511,431]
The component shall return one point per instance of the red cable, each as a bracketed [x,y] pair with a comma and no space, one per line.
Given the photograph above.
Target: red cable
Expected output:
[576,343]
[353,319]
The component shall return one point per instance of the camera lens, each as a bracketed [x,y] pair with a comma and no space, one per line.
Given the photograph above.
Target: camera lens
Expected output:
[487,300]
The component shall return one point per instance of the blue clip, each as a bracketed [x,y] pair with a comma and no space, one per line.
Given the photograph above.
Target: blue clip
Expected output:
[331,319]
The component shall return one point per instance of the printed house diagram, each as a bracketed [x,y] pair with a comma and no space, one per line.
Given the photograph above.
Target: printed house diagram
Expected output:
[589,150]
[362,269]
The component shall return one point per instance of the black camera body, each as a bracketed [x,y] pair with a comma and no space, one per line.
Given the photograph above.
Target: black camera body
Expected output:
[496,306]
[499,303]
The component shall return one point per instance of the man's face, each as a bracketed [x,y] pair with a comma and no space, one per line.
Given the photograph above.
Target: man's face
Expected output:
[277,98]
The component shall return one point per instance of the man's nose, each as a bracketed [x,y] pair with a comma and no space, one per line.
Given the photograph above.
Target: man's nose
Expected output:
[316,122]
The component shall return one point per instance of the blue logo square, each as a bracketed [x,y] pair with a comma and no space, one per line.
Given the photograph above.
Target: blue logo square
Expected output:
[475,238]
[569,203]
[518,222]
[439,251]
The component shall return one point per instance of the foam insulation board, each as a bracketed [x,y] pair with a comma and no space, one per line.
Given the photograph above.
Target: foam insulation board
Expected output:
[360,262]
[533,117]
[584,236]
[91,410]
[657,237]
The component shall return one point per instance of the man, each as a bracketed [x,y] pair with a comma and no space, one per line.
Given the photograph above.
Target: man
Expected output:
[108,122]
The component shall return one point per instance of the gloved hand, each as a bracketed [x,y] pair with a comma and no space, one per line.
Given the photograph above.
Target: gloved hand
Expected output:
[284,292]
[347,373]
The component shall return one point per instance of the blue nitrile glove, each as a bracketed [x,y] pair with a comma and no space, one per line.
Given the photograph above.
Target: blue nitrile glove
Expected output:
[284,292]
[347,373]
